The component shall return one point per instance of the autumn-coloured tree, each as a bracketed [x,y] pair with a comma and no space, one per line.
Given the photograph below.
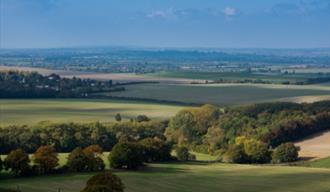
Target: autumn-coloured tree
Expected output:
[77,160]
[104,182]
[94,160]
[46,159]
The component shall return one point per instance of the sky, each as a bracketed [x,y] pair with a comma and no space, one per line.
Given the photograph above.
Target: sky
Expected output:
[165,23]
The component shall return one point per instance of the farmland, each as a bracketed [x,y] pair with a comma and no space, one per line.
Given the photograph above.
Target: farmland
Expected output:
[31,111]
[220,94]
[192,177]
[271,77]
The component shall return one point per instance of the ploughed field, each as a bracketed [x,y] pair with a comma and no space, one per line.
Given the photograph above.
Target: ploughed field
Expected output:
[192,177]
[224,94]
[31,111]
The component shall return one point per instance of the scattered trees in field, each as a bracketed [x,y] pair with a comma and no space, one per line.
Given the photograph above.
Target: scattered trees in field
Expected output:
[286,152]
[46,159]
[104,182]
[18,162]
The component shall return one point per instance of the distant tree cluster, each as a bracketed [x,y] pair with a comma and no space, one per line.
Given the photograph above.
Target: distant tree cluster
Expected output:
[14,84]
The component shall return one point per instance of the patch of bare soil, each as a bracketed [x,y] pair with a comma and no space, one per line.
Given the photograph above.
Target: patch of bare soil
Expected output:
[315,147]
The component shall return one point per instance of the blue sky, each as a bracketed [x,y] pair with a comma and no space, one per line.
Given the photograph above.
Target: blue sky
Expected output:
[165,23]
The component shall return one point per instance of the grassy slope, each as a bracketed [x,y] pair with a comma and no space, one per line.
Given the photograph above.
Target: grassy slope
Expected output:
[30,111]
[218,95]
[192,177]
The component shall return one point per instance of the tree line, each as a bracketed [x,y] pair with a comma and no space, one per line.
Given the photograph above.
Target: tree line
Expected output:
[15,84]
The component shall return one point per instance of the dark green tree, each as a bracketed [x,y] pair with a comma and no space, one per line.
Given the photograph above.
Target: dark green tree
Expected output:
[126,155]
[118,117]
[18,162]
[104,182]
[155,150]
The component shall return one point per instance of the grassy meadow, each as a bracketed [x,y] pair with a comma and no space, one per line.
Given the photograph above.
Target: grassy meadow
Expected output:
[220,94]
[321,163]
[192,177]
[31,111]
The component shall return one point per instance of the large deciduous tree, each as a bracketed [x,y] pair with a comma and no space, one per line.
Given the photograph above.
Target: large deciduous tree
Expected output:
[46,159]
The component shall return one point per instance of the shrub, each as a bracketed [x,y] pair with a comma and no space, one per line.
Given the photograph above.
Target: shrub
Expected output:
[286,152]
[46,159]
[104,182]
[235,154]
[18,162]
[126,155]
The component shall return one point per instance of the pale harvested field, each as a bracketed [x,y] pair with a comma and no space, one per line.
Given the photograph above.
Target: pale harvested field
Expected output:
[306,99]
[120,77]
[315,147]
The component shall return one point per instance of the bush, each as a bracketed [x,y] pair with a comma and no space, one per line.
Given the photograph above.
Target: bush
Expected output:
[155,150]
[182,153]
[235,154]
[104,182]
[18,162]
[286,152]
[126,155]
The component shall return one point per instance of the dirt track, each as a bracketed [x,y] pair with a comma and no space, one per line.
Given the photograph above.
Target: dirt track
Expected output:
[315,147]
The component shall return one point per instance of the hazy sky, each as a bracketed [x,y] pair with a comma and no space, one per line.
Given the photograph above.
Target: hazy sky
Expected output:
[165,23]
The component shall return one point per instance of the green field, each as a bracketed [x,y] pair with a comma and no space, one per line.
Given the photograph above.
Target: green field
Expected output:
[220,94]
[234,76]
[321,163]
[192,177]
[30,111]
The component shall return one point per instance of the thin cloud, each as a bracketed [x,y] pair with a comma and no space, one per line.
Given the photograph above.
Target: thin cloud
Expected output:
[162,14]
[229,11]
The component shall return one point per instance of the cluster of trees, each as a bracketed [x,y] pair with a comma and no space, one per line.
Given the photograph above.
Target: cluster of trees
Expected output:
[65,137]
[253,151]
[15,84]
[128,155]
[264,126]
[45,159]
